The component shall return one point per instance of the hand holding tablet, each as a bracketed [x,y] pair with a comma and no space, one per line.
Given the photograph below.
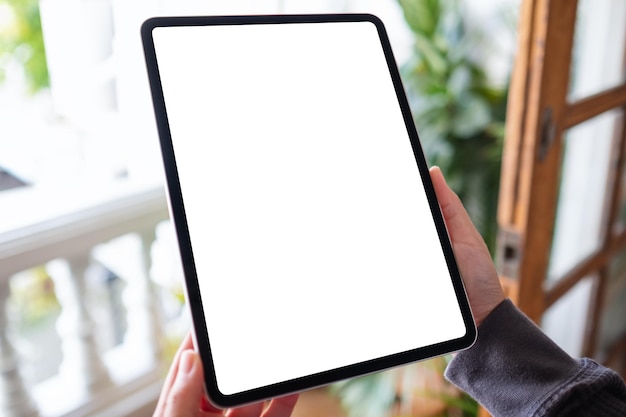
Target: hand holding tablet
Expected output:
[305,214]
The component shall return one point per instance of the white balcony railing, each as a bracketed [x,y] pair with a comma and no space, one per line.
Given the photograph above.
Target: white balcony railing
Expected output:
[39,225]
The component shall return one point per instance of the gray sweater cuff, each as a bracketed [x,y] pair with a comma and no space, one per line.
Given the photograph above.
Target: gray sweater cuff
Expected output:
[513,369]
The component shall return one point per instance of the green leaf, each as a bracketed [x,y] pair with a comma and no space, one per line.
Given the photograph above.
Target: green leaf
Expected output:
[433,57]
[472,116]
[422,16]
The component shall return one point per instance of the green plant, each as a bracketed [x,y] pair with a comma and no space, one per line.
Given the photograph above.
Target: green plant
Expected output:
[458,112]
[33,299]
[366,396]
[417,389]
[21,41]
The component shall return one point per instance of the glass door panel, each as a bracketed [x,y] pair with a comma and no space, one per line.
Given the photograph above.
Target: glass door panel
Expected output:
[612,323]
[620,221]
[599,45]
[564,322]
[583,186]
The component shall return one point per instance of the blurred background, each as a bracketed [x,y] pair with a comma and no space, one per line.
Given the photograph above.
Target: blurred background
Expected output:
[91,299]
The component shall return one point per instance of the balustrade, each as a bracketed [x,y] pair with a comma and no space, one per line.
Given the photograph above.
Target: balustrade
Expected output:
[41,225]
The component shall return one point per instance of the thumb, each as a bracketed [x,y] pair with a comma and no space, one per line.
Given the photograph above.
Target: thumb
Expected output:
[473,258]
[184,398]
[460,226]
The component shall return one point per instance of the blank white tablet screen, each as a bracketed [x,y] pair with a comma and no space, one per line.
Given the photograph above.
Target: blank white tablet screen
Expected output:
[312,237]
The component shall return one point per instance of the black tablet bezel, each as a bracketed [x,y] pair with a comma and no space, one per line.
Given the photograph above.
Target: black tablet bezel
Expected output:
[179,219]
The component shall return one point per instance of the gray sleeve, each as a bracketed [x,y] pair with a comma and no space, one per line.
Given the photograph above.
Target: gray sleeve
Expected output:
[514,369]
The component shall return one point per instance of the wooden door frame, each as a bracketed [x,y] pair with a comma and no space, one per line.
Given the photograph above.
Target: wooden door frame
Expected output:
[532,155]
[538,115]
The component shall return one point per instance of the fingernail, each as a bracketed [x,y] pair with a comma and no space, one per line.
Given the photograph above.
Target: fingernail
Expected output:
[440,174]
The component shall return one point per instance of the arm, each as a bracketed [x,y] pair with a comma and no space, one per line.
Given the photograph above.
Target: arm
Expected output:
[514,369]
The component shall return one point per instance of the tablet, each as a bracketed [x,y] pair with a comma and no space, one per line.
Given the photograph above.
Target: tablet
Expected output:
[312,243]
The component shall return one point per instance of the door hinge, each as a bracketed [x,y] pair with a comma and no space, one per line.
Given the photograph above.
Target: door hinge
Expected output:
[508,252]
[547,134]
